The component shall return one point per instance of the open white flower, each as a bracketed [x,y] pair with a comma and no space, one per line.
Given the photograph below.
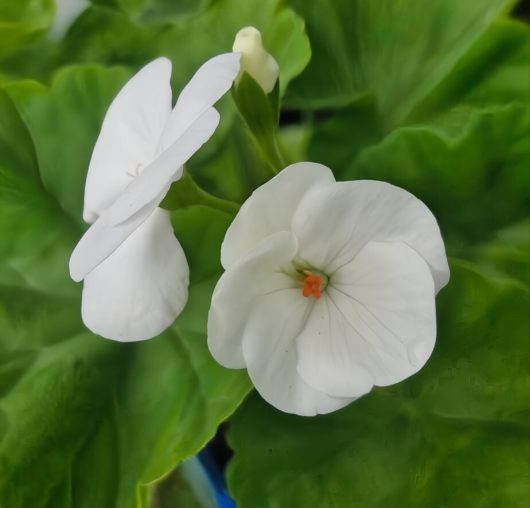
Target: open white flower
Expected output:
[329,289]
[134,270]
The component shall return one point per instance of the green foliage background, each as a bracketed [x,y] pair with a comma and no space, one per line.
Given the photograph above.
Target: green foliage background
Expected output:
[431,96]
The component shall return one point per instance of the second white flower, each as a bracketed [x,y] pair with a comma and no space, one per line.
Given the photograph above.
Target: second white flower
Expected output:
[329,289]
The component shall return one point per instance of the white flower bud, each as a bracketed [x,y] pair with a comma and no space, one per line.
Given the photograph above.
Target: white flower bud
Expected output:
[254,58]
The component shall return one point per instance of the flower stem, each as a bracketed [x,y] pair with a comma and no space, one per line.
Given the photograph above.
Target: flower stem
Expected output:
[268,150]
[212,201]
[185,192]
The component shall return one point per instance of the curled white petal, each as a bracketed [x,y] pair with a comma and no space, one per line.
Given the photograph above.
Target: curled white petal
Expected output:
[213,79]
[129,137]
[138,291]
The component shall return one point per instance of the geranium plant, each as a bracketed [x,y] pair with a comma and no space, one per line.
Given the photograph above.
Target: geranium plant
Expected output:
[304,279]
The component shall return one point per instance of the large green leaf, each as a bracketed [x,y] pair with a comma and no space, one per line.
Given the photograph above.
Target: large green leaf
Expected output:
[40,235]
[84,421]
[154,10]
[105,36]
[493,72]
[460,165]
[112,36]
[74,105]
[454,435]
[506,252]
[397,49]
[337,140]
[133,32]
[21,22]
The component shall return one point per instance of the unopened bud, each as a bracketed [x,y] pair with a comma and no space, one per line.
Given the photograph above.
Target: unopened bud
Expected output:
[254,58]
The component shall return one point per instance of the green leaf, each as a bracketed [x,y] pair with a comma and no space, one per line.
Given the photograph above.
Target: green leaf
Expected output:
[105,36]
[86,422]
[294,141]
[455,434]
[94,420]
[231,166]
[469,166]
[337,140]
[506,252]
[255,107]
[16,148]
[64,121]
[186,487]
[109,36]
[154,10]
[202,251]
[40,235]
[185,192]
[493,71]
[397,49]
[260,113]
[22,22]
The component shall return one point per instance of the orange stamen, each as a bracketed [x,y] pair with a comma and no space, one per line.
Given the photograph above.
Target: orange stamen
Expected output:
[312,285]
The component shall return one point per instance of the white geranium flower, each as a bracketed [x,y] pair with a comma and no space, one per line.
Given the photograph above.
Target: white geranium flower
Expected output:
[329,289]
[255,60]
[134,270]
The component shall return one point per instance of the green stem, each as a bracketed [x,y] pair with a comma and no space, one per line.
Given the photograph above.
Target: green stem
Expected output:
[212,201]
[185,192]
[276,154]
[269,151]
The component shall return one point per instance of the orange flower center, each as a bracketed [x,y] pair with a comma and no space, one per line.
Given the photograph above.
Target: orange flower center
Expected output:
[312,285]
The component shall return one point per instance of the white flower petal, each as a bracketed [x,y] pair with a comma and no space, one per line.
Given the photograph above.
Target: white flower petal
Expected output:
[256,313]
[100,241]
[129,137]
[271,208]
[213,79]
[149,188]
[139,199]
[334,223]
[375,323]
[265,269]
[269,348]
[138,291]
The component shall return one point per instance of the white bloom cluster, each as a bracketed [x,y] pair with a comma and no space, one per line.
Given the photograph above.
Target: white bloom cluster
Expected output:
[329,287]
